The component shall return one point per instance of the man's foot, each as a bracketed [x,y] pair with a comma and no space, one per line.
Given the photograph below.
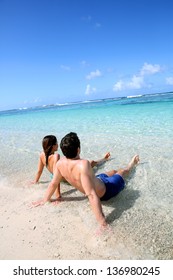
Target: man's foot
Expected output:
[134,161]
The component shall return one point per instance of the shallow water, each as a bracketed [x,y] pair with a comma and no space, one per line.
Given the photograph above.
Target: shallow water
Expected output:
[123,127]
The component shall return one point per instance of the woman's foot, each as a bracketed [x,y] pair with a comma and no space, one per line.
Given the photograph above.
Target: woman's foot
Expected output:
[107,156]
[100,161]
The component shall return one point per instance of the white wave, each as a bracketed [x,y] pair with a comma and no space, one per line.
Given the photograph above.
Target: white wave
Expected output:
[93,101]
[62,104]
[134,96]
[23,108]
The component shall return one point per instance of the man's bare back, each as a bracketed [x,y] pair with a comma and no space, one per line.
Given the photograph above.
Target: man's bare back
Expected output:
[73,170]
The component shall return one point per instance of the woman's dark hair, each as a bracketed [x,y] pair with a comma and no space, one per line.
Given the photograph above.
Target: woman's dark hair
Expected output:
[70,144]
[48,142]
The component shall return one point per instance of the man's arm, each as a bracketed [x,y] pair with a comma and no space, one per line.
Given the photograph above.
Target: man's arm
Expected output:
[88,186]
[53,186]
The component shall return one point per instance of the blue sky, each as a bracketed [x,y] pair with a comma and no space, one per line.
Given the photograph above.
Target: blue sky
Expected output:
[57,51]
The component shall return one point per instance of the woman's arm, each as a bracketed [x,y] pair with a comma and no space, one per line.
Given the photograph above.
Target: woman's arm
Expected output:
[39,171]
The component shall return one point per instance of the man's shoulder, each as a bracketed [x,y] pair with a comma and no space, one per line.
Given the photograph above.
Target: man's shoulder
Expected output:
[61,160]
[85,164]
[60,165]
[84,161]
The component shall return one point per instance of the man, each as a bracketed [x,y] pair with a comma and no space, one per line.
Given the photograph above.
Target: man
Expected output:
[78,173]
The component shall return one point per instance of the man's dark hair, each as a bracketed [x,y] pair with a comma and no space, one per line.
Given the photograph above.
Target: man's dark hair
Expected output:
[70,144]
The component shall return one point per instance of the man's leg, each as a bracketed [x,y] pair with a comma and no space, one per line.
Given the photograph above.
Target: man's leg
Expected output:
[125,172]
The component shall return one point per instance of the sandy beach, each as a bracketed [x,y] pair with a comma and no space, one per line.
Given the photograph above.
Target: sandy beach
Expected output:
[64,231]
[68,230]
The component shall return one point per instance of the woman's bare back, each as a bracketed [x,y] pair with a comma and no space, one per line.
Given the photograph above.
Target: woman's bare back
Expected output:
[52,160]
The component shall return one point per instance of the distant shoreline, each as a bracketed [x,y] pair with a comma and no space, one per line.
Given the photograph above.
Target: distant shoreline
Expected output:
[47,106]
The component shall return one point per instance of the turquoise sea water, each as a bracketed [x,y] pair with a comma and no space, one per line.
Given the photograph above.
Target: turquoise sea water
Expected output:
[123,126]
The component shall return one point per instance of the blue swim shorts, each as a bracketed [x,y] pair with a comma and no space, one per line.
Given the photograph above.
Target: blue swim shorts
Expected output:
[114,184]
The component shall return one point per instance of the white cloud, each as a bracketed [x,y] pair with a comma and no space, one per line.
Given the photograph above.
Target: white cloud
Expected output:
[93,75]
[169,80]
[65,67]
[137,81]
[119,86]
[89,90]
[149,69]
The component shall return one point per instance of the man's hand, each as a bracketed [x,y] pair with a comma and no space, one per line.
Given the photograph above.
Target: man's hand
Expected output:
[106,228]
[37,203]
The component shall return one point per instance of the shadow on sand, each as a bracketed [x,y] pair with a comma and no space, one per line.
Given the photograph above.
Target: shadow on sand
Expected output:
[122,202]
[72,198]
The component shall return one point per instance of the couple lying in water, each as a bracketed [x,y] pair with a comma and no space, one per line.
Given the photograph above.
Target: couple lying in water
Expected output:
[48,158]
[79,173]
